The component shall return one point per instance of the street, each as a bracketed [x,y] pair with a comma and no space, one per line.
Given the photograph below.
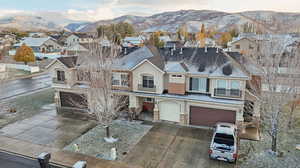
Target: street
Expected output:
[17,87]
[13,161]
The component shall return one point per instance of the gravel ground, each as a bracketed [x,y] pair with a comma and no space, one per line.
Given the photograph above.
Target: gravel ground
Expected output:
[92,143]
[26,106]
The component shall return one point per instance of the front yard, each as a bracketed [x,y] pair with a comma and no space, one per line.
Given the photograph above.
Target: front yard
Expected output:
[257,154]
[92,143]
[25,106]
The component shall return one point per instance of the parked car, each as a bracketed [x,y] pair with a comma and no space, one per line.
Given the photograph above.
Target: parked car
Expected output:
[224,143]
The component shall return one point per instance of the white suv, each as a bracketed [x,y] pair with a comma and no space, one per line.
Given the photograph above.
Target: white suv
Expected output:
[224,143]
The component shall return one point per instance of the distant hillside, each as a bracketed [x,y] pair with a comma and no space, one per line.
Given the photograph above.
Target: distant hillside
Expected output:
[37,21]
[268,21]
[170,21]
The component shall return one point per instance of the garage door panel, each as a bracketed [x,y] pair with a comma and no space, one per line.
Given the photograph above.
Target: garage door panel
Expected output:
[73,100]
[169,111]
[209,117]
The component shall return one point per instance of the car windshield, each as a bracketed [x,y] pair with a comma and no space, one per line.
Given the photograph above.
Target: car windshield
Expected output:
[224,139]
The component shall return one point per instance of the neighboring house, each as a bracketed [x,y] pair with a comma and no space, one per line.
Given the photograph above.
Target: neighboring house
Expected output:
[244,45]
[208,43]
[190,86]
[76,38]
[165,39]
[75,50]
[133,41]
[40,45]
[38,35]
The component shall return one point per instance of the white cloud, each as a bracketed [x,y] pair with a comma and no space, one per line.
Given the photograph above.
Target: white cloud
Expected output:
[9,12]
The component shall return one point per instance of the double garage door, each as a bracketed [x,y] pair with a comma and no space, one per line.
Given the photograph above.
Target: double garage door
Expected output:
[202,116]
[73,100]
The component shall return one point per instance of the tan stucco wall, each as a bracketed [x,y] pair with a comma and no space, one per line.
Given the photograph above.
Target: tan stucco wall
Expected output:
[244,46]
[148,69]
[69,74]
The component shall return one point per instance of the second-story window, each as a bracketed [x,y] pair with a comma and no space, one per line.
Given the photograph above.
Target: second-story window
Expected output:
[198,85]
[120,79]
[228,88]
[148,81]
[61,76]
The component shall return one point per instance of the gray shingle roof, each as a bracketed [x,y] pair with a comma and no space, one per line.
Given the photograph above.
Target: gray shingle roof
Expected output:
[69,62]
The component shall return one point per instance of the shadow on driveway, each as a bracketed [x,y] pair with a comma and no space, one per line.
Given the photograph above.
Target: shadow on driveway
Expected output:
[171,146]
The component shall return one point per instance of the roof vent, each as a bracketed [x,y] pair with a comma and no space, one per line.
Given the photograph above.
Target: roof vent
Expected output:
[125,51]
[227,70]
[205,50]
[181,50]
[201,67]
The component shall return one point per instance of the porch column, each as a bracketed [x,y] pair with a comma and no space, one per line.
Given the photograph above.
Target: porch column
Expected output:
[240,119]
[57,98]
[156,112]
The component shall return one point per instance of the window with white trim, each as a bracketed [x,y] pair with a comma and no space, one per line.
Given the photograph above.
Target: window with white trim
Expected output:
[148,100]
[176,76]
[198,84]
[148,81]
[120,79]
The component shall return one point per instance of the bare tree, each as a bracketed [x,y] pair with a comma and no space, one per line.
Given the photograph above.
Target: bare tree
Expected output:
[96,68]
[278,69]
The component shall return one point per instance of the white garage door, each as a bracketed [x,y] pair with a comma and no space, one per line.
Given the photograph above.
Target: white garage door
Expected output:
[169,111]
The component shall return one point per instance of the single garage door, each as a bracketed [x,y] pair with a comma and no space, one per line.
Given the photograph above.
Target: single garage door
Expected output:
[73,100]
[202,116]
[169,111]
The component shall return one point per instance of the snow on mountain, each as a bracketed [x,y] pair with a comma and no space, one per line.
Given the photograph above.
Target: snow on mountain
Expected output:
[269,21]
[222,21]
[36,21]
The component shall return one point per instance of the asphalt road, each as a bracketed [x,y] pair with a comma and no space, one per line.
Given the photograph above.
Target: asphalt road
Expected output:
[22,86]
[13,161]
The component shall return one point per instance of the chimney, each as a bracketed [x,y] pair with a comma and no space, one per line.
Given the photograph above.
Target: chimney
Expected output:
[172,52]
[181,51]
[205,50]
[217,50]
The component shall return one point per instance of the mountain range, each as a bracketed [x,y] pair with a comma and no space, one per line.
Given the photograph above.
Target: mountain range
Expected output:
[269,21]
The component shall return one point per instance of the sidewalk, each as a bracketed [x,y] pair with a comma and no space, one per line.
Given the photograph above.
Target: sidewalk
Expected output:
[57,156]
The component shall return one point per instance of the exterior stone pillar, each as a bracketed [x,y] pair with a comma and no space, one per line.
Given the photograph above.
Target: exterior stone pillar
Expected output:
[57,99]
[183,119]
[156,113]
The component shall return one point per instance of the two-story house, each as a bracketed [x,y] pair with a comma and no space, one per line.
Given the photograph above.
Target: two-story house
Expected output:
[40,45]
[78,38]
[189,86]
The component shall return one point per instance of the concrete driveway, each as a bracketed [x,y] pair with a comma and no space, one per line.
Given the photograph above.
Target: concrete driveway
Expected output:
[47,128]
[171,146]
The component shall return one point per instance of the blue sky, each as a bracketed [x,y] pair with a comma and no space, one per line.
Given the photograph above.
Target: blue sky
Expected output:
[106,9]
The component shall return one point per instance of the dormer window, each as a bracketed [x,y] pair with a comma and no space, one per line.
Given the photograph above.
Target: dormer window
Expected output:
[60,76]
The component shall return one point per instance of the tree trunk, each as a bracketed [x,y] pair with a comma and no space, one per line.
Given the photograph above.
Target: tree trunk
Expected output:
[291,117]
[107,131]
[274,143]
